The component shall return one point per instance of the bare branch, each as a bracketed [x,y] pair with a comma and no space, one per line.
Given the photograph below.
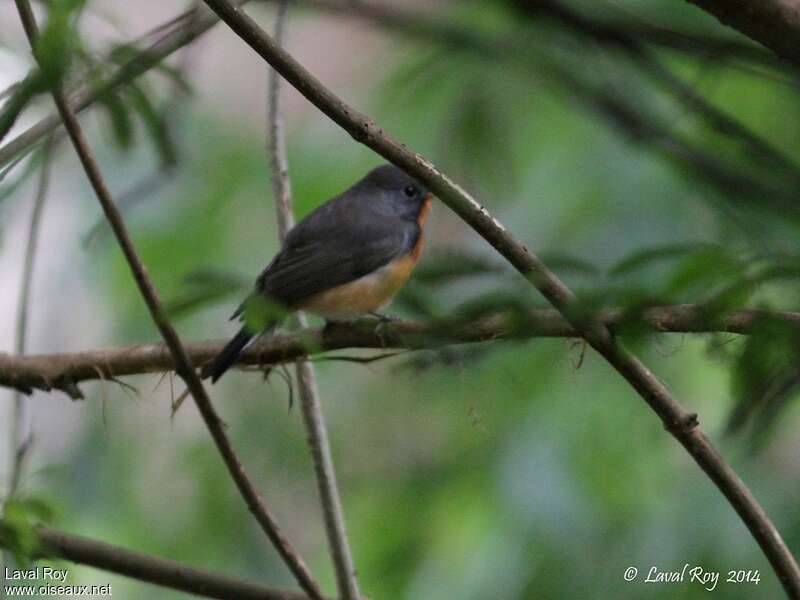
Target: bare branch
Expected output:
[183,364]
[682,424]
[313,416]
[276,138]
[144,567]
[50,371]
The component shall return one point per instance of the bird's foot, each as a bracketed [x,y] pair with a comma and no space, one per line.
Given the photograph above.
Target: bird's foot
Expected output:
[383,322]
[330,324]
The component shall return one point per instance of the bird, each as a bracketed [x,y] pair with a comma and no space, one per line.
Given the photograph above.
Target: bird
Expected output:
[347,258]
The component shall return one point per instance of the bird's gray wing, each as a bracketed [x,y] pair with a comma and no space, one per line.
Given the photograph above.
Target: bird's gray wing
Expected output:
[315,261]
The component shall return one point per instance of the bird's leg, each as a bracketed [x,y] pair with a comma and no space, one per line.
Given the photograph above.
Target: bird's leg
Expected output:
[329,325]
[383,321]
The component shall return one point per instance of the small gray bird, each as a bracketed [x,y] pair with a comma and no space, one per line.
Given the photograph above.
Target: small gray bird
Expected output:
[348,257]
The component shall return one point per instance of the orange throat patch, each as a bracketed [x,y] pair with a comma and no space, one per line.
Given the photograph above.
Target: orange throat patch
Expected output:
[422,218]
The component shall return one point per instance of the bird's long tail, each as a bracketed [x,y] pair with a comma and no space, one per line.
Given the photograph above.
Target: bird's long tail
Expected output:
[225,359]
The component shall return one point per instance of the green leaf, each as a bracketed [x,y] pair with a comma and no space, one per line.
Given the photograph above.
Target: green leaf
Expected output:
[259,313]
[641,259]
[125,54]
[203,287]
[20,516]
[445,267]
[699,271]
[763,370]
[27,89]
[418,300]
[18,535]
[566,263]
[57,41]
[513,303]
[7,188]
[120,118]
[38,509]
[480,131]
[155,124]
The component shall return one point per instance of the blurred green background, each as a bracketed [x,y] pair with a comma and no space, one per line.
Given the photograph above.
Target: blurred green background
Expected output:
[504,470]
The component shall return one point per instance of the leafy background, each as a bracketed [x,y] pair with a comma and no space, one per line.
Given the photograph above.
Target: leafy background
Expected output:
[509,470]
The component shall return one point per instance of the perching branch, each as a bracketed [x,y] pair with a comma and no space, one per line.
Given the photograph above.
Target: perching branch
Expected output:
[183,364]
[65,372]
[682,424]
[313,417]
[144,567]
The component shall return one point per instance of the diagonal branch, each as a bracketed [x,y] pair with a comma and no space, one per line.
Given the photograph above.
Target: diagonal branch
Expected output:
[680,423]
[183,364]
[617,111]
[627,38]
[65,371]
[144,567]
[313,417]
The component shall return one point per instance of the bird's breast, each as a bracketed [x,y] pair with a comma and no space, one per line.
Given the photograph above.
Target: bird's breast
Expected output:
[365,294]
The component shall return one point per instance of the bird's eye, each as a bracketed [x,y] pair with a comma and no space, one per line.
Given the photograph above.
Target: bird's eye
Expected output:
[410,191]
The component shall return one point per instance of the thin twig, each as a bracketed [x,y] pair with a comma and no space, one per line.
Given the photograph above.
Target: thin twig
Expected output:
[682,424]
[145,567]
[21,438]
[21,426]
[51,371]
[313,417]
[183,363]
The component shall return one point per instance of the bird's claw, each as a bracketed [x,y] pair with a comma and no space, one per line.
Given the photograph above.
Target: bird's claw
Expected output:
[380,328]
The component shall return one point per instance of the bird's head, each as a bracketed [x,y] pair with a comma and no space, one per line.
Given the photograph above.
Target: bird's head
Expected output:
[396,193]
